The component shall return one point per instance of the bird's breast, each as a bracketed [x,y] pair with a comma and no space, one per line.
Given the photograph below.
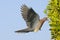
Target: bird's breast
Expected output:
[37,26]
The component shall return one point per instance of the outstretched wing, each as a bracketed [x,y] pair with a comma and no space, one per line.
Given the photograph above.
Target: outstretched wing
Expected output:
[29,16]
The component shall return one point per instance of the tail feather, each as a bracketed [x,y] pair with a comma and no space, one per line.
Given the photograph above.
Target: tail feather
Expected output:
[23,30]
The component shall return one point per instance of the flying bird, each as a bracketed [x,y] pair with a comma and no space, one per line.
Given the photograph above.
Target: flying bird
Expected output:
[34,23]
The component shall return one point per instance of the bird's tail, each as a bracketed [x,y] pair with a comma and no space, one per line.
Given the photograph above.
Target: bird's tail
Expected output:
[23,30]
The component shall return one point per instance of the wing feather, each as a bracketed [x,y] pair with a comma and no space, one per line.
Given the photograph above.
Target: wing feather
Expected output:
[29,15]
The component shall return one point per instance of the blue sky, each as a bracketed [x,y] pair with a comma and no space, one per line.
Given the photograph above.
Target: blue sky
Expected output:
[11,20]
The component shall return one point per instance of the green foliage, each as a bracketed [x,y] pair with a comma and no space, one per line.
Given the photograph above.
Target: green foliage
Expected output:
[53,13]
